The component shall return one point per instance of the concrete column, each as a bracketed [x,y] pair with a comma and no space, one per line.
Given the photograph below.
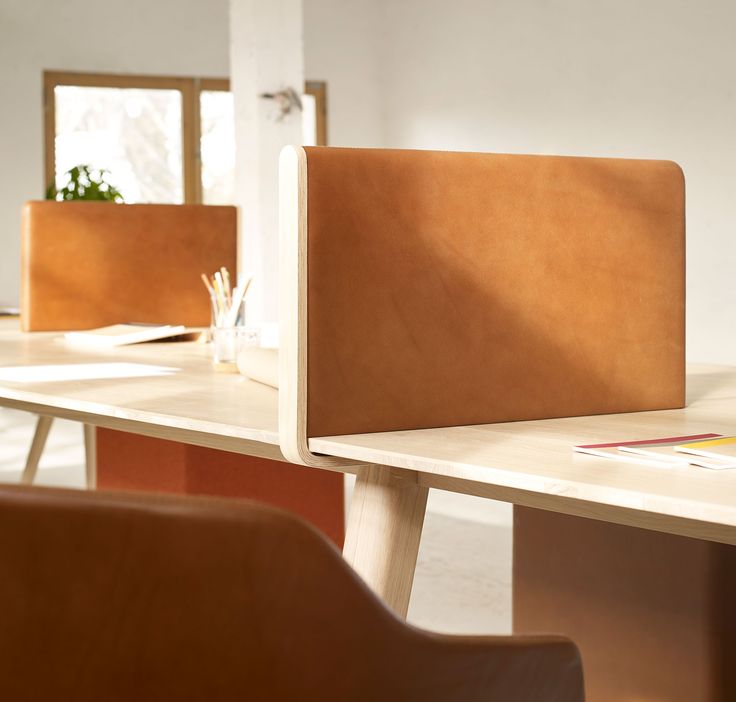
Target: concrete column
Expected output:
[266,55]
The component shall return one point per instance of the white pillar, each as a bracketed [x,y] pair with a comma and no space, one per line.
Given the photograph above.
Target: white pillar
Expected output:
[266,55]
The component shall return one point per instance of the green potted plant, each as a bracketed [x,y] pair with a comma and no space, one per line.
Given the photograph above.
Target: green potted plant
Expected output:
[84,182]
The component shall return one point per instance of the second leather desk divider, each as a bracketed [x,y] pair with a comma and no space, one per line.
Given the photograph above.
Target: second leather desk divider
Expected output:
[92,264]
[89,264]
[425,289]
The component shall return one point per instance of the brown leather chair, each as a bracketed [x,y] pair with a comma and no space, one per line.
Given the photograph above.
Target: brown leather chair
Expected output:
[110,596]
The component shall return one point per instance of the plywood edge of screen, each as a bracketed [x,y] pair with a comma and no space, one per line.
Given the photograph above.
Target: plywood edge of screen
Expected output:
[293,311]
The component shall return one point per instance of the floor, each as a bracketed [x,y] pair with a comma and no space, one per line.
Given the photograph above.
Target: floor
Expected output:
[463,577]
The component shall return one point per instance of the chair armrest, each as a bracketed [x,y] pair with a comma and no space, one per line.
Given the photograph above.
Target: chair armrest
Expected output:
[503,669]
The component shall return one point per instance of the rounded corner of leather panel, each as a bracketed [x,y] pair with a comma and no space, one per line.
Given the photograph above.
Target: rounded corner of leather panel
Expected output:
[677,170]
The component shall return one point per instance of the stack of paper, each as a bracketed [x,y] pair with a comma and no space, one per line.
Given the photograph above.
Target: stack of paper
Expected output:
[720,450]
[712,451]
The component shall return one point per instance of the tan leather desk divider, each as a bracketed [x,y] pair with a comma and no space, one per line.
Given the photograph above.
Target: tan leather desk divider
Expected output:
[427,289]
[89,264]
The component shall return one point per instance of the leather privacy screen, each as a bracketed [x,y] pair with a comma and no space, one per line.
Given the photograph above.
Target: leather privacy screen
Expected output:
[457,288]
[88,264]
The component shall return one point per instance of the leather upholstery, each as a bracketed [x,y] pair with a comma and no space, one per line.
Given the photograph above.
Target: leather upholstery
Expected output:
[90,264]
[459,288]
[114,597]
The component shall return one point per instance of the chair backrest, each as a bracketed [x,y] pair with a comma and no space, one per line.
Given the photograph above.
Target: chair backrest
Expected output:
[92,264]
[429,289]
[130,597]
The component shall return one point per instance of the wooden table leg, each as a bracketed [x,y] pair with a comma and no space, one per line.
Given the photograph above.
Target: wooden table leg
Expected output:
[383,532]
[90,456]
[37,445]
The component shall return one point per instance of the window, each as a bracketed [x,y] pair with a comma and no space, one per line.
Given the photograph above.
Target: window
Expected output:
[217,143]
[167,140]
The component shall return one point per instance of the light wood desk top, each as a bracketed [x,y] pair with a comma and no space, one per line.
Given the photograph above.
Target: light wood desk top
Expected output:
[528,463]
[192,404]
[532,463]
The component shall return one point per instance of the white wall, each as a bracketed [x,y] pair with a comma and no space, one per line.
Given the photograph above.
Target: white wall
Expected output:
[165,37]
[341,46]
[611,78]
[651,79]
[266,55]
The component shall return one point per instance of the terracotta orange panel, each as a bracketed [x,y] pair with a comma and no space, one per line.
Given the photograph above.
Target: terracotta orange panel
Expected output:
[653,614]
[132,462]
[316,495]
[128,461]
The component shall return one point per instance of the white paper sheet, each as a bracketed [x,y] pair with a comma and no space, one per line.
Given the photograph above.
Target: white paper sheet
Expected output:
[81,371]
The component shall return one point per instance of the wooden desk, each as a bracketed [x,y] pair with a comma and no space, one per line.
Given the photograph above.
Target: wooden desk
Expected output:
[192,404]
[532,463]
[211,433]
[622,557]
[528,463]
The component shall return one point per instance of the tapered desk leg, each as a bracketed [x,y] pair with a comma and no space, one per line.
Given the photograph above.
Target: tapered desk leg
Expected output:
[37,445]
[384,529]
[90,456]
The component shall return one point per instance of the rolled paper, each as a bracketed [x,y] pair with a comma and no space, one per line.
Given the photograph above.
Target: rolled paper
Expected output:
[261,365]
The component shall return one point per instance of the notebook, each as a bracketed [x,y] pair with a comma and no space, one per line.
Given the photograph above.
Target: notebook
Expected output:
[662,449]
[618,450]
[669,451]
[123,334]
[722,450]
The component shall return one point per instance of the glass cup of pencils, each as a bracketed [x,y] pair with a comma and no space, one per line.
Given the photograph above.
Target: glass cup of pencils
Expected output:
[228,318]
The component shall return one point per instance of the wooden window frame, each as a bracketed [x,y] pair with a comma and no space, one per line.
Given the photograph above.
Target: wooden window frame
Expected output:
[190,89]
[189,107]
[318,90]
